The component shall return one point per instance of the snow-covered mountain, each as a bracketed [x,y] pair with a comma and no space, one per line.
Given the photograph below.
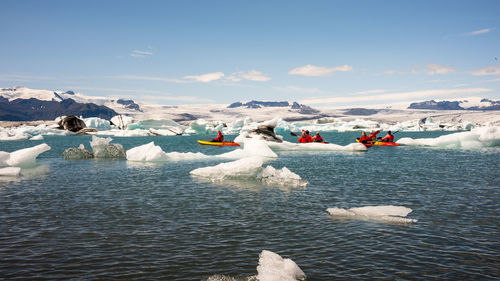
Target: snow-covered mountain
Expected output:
[24,104]
[473,103]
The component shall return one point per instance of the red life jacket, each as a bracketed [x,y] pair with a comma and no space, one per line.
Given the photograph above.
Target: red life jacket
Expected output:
[389,138]
[219,138]
[317,139]
[302,139]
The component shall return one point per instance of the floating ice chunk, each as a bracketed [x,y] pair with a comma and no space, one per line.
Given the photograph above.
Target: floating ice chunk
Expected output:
[7,134]
[37,137]
[477,138]
[165,132]
[243,168]
[272,267]
[77,153]
[97,123]
[146,153]
[392,214]
[26,157]
[251,147]
[179,156]
[289,146]
[283,177]
[103,149]
[4,156]
[10,172]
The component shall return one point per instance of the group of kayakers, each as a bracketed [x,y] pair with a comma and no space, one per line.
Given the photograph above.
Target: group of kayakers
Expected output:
[372,137]
[306,137]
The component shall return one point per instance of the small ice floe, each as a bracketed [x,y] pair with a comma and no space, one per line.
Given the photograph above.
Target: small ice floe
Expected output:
[103,149]
[477,138]
[37,137]
[77,153]
[302,147]
[272,267]
[251,147]
[152,153]
[10,172]
[250,169]
[24,157]
[146,153]
[390,214]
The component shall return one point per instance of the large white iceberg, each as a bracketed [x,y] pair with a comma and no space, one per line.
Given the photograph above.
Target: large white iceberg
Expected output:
[146,153]
[477,138]
[388,213]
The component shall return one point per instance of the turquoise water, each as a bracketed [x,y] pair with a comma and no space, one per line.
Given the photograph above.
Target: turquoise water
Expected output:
[113,219]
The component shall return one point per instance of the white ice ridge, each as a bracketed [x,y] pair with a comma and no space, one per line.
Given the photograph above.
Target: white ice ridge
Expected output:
[10,172]
[289,146]
[152,153]
[24,157]
[272,267]
[250,168]
[392,214]
[476,138]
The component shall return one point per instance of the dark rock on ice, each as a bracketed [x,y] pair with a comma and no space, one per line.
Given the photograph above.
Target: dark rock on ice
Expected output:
[72,123]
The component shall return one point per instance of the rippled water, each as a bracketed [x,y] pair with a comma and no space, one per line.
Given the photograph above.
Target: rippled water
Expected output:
[93,219]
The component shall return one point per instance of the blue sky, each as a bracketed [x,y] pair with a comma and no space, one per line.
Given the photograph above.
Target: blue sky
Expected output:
[331,53]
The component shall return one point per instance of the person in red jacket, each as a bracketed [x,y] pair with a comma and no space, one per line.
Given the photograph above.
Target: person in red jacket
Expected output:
[364,138]
[219,138]
[373,135]
[388,138]
[317,138]
[305,137]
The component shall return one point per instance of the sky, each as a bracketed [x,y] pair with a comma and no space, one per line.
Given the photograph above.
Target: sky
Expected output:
[320,53]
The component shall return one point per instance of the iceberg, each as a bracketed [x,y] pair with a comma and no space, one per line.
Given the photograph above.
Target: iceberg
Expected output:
[477,138]
[272,267]
[289,146]
[146,153]
[389,213]
[97,123]
[74,153]
[10,172]
[250,168]
[103,149]
[25,157]
[251,147]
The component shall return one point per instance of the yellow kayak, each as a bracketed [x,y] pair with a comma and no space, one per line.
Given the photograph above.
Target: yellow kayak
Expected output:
[218,143]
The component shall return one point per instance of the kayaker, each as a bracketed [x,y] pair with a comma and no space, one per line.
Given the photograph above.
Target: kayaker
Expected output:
[305,137]
[388,138]
[317,138]
[373,135]
[364,138]
[219,138]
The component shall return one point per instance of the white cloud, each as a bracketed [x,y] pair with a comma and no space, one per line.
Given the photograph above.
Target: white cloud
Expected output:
[477,32]
[434,68]
[369,92]
[24,78]
[317,71]
[490,70]
[178,98]
[255,75]
[397,96]
[252,75]
[140,54]
[428,68]
[205,78]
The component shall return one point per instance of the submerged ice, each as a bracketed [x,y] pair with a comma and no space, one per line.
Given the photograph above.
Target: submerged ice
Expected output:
[389,213]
